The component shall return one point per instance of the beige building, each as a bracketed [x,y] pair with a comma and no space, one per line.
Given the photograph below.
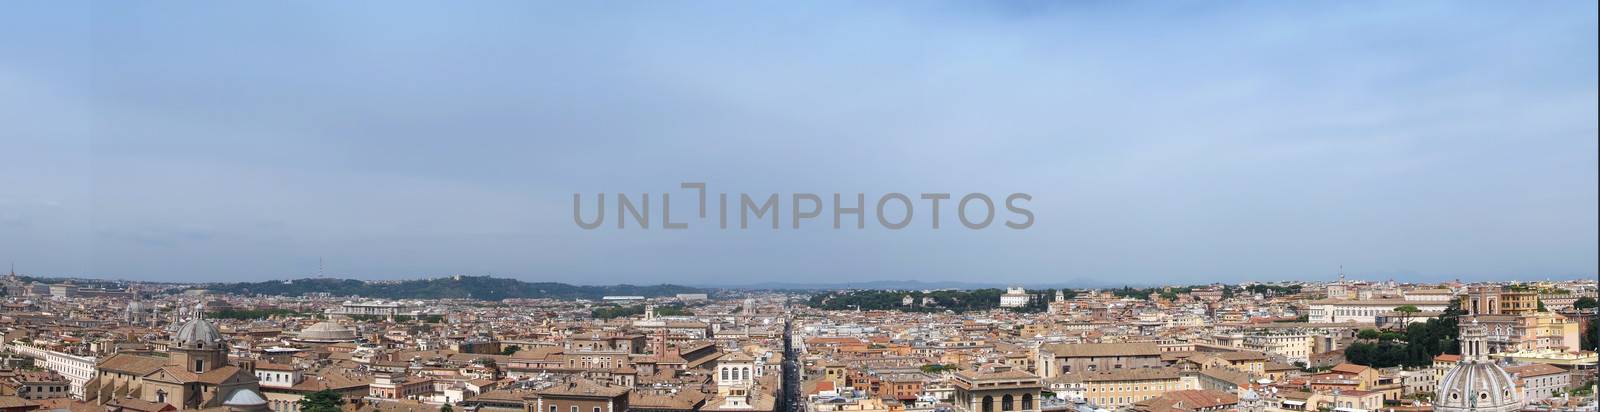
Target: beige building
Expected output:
[195,374]
[1124,387]
[1291,345]
[579,396]
[1540,381]
[1060,359]
[997,389]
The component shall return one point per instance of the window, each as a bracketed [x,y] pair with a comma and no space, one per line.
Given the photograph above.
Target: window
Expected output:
[552,408]
[199,365]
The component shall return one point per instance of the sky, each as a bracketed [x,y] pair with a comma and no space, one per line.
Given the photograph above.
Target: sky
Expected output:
[1164,142]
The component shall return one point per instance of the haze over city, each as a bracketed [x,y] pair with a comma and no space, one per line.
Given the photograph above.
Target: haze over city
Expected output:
[1161,143]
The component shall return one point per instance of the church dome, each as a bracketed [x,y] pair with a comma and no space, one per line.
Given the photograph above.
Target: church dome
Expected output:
[244,397]
[198,334]
[327,331]
[1477,383]
[1482,386]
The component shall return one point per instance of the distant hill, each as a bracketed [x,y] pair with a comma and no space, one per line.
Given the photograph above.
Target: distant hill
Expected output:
[931,285]
[475,287]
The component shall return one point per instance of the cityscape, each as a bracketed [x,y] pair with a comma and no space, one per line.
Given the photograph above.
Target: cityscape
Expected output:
[427,345]
[799,206]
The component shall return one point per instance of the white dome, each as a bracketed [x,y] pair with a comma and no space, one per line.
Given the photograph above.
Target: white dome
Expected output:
[244,397]
[1477,383]
[1480,386]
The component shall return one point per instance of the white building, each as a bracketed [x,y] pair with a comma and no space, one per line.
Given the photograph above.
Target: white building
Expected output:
[1366,311]
[1429,295]
[77,369]
[375,308]
[274,375]
[1014,298]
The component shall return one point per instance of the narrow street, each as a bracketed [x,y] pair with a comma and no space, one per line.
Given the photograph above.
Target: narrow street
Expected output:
[791,397]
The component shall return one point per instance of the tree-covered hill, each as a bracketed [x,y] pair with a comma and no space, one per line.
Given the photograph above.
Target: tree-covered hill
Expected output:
[938,301]
[476,287]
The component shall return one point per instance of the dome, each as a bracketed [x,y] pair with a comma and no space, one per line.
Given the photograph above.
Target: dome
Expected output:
[327,331]
[244,397]
[1476,383]
[1482,386]
[198,334]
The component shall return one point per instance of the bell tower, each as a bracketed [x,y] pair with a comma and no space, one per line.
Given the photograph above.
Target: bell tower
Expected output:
[1474,342]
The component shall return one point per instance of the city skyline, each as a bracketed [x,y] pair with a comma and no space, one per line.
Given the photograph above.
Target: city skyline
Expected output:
[1160,143]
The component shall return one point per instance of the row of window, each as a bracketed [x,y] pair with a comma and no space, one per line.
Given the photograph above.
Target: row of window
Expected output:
[736,373]
[1119,400]
[1129,387]
[554,408]
[1006,403]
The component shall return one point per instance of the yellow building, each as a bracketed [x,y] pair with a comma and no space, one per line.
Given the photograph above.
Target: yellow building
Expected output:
[1519,303]
[1554,331]
[1123,387]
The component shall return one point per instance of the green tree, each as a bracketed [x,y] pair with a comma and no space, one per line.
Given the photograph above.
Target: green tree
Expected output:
[326,400]
[1584,303]
[446,408]
[510,350]
[1591,335]
[1367,334]
[1406,312]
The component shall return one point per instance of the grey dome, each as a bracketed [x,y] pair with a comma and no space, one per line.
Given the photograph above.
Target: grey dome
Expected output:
[198,334]
[327,331]
[244,397]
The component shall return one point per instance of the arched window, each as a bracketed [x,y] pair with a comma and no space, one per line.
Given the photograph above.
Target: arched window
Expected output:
[724,373]
[1027,401]
[746,374]
[988,403]
[1005,402]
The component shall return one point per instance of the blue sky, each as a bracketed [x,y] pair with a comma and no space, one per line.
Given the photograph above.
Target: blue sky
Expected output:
[1162,142]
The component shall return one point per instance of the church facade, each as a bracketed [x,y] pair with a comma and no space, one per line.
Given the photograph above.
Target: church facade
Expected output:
[195,374]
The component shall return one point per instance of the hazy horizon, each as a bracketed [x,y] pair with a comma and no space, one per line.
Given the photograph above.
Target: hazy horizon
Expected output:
[1180,143]
[1040,284]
